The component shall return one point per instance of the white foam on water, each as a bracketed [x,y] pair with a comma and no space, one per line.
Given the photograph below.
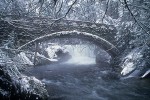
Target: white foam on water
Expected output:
[80,55]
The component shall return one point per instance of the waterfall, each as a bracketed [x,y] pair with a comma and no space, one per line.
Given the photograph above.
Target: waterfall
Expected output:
[81,54]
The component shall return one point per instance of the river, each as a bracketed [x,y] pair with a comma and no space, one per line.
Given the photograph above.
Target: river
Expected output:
[80,78]
[66,81]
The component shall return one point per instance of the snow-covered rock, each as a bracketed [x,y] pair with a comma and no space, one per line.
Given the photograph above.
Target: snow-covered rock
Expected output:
[135,64]
[23,59]
[128,68]
[59,53]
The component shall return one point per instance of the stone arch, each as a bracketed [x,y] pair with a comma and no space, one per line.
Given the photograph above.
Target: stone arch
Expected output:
[102,43]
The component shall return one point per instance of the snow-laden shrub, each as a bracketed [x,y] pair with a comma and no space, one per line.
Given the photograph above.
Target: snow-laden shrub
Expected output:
[16,86]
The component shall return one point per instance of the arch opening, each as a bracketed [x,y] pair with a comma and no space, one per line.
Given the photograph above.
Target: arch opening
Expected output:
[81,51]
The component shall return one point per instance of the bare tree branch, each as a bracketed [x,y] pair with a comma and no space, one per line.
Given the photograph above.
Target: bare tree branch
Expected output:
[107,4]
[59,9]
[65,13]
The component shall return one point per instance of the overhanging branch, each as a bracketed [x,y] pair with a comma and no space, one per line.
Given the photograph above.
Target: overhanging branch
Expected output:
[138,22]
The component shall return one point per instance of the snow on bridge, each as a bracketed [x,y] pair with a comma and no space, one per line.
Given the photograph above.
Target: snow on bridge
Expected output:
[100,42]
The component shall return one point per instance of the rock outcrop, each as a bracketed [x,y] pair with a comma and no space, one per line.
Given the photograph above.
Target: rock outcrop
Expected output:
[15,86]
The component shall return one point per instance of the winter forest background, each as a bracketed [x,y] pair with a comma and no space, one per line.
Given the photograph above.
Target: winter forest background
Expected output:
[131,18]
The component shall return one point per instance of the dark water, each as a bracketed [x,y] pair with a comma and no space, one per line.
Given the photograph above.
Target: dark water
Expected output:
[89,82]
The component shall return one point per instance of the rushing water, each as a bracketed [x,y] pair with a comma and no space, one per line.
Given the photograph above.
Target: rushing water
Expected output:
[81,79]
[89,82]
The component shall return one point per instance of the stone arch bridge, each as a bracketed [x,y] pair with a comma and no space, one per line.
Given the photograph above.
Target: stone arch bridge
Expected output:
[100,42]
[35,29]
